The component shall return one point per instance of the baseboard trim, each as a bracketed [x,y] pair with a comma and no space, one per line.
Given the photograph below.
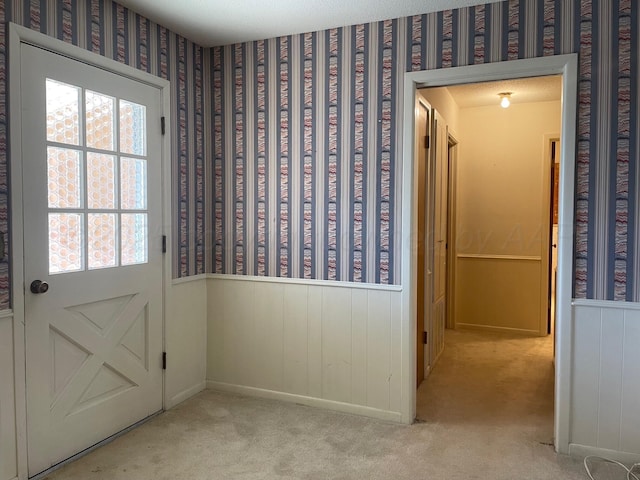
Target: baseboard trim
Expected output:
[520,331]
[308,401]
[185,395]
[577,450]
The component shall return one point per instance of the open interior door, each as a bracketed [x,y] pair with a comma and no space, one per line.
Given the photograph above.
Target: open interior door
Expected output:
[422,138]
[439,214]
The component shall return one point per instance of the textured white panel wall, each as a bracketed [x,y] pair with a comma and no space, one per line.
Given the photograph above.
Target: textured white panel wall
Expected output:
[186,339]
[8,465]
[331,346]
[605,410]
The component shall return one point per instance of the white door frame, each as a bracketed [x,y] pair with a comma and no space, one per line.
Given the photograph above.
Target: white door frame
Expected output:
[17,36]
[452,142]
[567,66]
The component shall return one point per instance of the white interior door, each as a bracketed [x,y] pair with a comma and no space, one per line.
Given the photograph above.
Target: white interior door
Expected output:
[429,219]
[440,217]
[423,276]
[91,160]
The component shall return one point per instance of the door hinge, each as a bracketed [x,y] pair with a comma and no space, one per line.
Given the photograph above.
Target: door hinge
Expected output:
[426,141]
[164,244]
[164,360]
[162,124]
[424,337]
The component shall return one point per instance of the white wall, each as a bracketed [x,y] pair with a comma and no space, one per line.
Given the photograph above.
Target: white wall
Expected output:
[502,216]
[324,344]
[186,339]
[8,461]
[605,399]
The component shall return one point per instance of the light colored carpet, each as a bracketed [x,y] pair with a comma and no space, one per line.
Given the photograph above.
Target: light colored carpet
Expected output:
[485,412]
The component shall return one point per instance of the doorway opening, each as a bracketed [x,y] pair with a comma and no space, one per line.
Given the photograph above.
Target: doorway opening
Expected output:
[485,210]
[518,235]
[488,204]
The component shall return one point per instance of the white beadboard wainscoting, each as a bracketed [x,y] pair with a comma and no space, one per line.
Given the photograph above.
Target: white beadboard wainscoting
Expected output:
[8,441]
[338,346]
[185,339]
[605,384]
[325,344]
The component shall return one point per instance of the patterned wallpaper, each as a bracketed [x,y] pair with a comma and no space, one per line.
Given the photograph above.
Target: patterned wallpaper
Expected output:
[307,129]
[287,155]
[113,31]
[305,177]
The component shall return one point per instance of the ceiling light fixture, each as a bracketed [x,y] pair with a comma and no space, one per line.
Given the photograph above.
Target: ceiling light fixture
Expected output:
[505,99]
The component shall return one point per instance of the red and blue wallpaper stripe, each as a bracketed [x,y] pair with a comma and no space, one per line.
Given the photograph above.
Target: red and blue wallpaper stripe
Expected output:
[319,188]
[325,196]
[287,153]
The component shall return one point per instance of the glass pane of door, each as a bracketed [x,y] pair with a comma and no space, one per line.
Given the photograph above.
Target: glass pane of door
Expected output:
[94,190]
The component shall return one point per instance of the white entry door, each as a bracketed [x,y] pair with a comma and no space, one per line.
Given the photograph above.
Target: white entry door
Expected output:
[91,160]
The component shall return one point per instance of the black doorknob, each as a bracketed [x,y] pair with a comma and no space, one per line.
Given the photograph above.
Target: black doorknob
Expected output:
[38,286]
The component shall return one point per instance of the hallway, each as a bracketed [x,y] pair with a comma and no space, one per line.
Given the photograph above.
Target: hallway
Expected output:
[493,394]
[485,412]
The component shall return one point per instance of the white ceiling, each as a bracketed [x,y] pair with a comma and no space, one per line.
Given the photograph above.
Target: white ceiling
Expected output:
[524,90]
[219,22]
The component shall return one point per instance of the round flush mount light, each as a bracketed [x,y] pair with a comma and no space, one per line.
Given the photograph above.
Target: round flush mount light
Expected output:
[505,99]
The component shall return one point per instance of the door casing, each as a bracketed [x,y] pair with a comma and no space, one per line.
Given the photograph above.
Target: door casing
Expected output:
[17,36]
[567,66]
[451,234]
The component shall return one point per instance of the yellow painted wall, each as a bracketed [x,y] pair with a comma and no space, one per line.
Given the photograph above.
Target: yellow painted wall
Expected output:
[502,214]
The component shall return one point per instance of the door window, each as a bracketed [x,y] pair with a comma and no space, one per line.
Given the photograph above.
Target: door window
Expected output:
[97,180]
